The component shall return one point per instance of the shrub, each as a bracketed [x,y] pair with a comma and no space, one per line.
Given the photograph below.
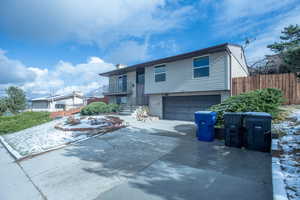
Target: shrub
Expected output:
[96,108]
[264,100]
[113,107]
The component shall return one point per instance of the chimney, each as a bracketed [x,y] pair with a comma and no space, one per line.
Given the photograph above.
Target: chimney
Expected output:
[120,66]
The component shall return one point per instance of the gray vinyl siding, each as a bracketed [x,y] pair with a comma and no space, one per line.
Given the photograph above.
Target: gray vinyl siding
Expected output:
[179,76]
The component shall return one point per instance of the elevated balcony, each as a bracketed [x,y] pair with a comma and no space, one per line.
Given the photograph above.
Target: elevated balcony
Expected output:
[115,90]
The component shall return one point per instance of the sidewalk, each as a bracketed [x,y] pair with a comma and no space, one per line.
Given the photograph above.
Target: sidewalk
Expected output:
[14,184]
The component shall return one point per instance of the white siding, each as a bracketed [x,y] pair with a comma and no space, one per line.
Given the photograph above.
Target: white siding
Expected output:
[179,76]
[238,62]
[78,100]
[155,105]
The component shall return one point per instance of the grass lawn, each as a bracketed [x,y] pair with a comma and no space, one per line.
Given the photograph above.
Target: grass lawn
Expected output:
[10,124]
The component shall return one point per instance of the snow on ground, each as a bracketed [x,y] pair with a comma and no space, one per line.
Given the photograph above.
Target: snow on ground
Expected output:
[44,137]
[290,157]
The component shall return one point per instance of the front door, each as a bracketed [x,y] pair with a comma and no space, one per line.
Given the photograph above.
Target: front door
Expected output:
[141,98]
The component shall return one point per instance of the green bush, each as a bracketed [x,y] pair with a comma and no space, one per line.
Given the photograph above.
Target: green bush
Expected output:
[265,100]
[113,107]
[10,124]
[96,108]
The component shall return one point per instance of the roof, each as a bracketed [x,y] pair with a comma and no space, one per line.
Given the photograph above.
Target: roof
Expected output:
[213,49]
[58,97]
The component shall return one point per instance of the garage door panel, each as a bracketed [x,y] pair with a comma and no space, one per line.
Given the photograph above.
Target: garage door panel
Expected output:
[184,107]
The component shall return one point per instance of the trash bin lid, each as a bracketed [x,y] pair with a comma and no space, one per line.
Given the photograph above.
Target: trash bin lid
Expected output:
[259,114]
[234,113]
[206,112]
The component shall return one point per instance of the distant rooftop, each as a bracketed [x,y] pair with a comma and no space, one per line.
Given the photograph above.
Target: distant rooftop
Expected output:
[58,97]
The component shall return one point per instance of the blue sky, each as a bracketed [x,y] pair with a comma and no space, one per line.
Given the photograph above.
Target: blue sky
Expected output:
[60,45]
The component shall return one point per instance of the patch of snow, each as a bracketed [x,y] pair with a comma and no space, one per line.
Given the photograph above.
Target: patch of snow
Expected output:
[40,138]
[296,114]
[290,158]
[45,137]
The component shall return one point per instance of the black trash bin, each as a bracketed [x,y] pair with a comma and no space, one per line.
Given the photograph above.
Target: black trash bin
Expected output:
[257,135]
[233,125]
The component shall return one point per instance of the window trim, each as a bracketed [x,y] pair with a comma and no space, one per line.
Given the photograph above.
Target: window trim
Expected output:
[193,67]
[155,73]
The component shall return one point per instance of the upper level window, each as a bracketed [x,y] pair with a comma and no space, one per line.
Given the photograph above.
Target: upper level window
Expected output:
[201,67]
[160,73]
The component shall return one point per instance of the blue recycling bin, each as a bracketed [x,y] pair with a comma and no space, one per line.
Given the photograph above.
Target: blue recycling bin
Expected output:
[205,121]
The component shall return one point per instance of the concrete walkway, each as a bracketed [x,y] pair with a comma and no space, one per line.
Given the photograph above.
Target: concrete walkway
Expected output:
[14,182]
[153,160]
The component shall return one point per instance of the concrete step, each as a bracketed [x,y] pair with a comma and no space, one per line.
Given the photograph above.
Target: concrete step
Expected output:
[126,110]
[125,113]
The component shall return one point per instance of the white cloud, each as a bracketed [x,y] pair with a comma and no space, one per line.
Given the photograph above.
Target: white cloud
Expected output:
[64,77]
[129,51]
[109,25]
[94,21]
[258,48]
[169,46]
[13,70]
[261,21]
[238,9]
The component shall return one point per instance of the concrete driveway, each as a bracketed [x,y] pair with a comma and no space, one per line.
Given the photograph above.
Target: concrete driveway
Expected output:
[153,160]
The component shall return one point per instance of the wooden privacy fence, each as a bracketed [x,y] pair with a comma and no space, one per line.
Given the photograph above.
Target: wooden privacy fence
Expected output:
[287,83]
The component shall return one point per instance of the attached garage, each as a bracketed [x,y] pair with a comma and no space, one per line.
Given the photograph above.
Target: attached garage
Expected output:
[184,107]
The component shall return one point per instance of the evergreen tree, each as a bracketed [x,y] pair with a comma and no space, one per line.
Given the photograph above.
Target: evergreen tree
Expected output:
[289,48]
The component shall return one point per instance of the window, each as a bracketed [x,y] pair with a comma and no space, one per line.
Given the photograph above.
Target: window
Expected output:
[201,67]
[160,73]
[60,106]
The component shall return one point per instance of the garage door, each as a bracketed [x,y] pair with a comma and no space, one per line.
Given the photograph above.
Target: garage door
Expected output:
[184,107]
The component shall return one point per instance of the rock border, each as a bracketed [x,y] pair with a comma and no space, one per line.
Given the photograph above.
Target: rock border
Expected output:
[279,187]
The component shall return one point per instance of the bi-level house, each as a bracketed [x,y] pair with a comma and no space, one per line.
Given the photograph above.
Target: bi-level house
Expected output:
[177,86]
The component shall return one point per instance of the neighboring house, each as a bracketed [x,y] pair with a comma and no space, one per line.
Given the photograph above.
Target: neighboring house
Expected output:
[58,103]
[177,86]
